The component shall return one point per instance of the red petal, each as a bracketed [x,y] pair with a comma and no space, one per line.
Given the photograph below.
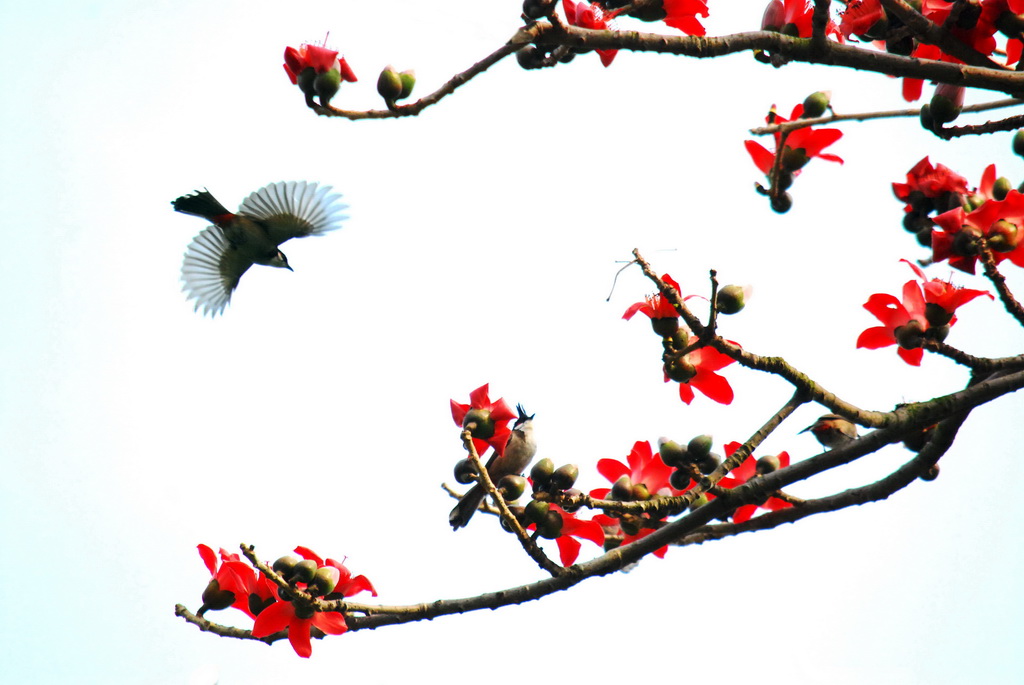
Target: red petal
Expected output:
[714,386]
[875,338]
[763,159]
[479,399]
[459,412]
[298,636]
[346,71]
[320,58]
[912,357]
[744,513]
[612,469]
[568,550]
[685,393]
[272,619]
[331,622]
[209,558]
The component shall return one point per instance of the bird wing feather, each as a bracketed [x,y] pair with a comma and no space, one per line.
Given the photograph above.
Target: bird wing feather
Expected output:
[211,270]
[295,209]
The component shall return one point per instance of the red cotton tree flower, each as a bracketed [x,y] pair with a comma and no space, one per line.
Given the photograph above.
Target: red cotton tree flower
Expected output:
[589,16]
[743,473]
[800,146]
[486,420]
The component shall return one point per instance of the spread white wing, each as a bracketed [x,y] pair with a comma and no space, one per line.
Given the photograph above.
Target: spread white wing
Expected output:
[295,209]
[211,270]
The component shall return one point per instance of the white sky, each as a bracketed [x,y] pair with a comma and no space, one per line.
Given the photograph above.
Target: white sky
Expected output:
[482,243]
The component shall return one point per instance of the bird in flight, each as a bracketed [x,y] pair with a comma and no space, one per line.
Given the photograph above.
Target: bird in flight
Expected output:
[216,258]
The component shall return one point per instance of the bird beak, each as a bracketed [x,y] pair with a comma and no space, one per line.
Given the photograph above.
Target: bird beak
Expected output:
[289,267]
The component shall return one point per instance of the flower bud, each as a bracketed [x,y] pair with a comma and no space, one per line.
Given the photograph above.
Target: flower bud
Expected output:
[665,326]
[389,85]
[1001,188]
[678,479]
[816,104]
[305,79]
[966,242]
[909,335]
[551,527]
[937,333]
[408,78]
[622,489]
[640,493]
[302,572]
[774,16]
[631,524]
[794,159]
[535,9]
[680,339]
[215,599]
[541,472]
[680,370]
[730,300]
[512,487]
[326,85]
[564,477]
[672,453]
[284,565]
[767,464]
[1018,143]
[947,103]
[699,447]
[536,511]
[927,121]
[479,424]
[936,314]
[781,204]
[465,471]
[1003,236]
[324,580]
[709,463]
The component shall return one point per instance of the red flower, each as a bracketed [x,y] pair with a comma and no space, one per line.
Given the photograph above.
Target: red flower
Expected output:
[232,575]
[931,181]
[319,58]
[682,15]
[705,362]
[959,229]
[346,585]
[644,466]
[894,315]
[792,17]
[572,527]
[498,411]
[944,294]
[655,306]
[743,473]
[589,16]
[860,16]
[801,145]
[281,615]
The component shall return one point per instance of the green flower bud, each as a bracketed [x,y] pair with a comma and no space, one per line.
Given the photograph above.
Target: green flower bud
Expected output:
[479,424]
[326,85]
[324,580]
[564,477]
[909,336]
[937,315]
[303,572]
[1003,236]
[1001,188]
[408,78]
[665,326]
[794,159]
[672,453]
[631,524]
[541,472]
[947,103]
[816,104]
[389,85]
[927,121]
[284,565]
[767,464]
[640,493]
[551,527]
[699,502]
[680,370]
[966,243]
[709,463]
[622,489]
[512,487]
[680,480]
[680,339]
[731,299]
[215,599]
[1018,143]
[536,511]
[699,447]
[305,79]
[465,472]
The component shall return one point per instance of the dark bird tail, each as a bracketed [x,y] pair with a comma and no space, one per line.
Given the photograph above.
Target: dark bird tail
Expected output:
[466,507]
[201,203]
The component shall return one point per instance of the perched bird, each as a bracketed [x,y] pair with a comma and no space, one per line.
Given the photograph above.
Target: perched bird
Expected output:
[221,253]
[832,430]
[518,454]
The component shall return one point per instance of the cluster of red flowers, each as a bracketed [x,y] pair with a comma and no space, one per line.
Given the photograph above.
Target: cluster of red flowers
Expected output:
[695,369]
[234,583]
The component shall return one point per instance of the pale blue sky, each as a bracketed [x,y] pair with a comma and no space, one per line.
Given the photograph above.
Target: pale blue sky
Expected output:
[483,239]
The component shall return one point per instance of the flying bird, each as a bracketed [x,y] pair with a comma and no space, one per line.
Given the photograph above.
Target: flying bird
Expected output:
[216,258]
